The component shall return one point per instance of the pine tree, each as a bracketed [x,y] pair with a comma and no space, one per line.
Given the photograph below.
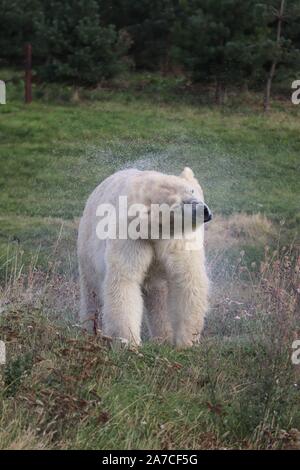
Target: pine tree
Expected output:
[280,48]
[216,42]
[149,24]
[78,47]
[17,28]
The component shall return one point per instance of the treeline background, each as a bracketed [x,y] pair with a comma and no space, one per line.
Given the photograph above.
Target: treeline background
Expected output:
[225,43]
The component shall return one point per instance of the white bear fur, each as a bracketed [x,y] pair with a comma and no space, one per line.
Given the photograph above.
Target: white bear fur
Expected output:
[122,279]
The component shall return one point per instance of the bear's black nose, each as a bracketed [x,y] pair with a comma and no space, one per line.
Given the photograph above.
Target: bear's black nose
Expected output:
[200,211]
[207,214]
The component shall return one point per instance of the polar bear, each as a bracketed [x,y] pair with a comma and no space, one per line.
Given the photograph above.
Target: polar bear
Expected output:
[121,279]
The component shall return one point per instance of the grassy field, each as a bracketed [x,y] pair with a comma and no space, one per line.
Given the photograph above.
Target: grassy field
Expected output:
[238,388]
[53,155]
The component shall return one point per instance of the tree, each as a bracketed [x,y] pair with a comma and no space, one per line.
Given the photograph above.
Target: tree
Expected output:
[228,43]
[278,52]
[279,19]
[216,42]
[17,28]
[77,46]
[149,24]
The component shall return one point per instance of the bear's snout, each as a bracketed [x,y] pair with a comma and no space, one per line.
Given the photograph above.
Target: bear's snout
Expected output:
[200,210]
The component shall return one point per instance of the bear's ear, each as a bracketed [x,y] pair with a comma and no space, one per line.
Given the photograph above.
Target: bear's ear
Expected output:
[187,174]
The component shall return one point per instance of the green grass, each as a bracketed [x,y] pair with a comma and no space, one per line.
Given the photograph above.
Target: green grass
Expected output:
[53,155]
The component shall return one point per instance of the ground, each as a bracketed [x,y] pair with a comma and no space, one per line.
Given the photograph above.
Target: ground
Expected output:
[238,388]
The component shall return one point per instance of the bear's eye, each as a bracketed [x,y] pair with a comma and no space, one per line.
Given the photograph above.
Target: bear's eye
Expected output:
[192,191]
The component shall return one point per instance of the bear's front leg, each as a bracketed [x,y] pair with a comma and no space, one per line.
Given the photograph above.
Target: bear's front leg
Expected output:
[188,292]
[156,302]
[127,262]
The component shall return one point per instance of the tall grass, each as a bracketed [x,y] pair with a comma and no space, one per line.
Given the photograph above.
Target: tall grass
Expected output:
[238,388]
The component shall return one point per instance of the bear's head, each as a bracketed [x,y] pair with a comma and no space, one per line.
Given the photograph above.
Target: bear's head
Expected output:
[181,194]
[197,199]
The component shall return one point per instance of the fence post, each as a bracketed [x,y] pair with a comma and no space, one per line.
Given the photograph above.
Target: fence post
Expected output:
[28,73]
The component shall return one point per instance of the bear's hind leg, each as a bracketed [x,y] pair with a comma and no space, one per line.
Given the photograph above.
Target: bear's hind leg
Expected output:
[127,264]
[89,315]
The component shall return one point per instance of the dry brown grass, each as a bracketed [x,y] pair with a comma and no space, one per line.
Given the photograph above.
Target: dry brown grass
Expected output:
[238,229]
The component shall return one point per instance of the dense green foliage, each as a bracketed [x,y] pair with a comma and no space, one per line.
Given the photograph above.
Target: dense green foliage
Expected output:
[77,46]
[85,41]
